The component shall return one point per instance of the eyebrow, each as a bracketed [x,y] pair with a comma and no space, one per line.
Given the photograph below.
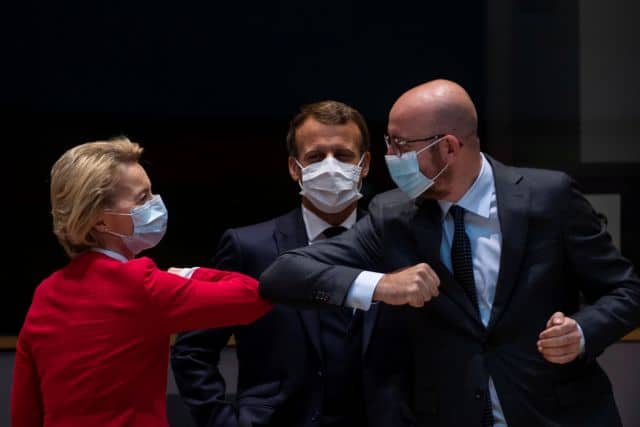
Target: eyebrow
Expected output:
[143,192]
[339,150]
[313,153]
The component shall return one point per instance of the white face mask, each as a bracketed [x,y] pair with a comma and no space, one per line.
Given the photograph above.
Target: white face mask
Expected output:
[149,225]
[331,185]
[405,172]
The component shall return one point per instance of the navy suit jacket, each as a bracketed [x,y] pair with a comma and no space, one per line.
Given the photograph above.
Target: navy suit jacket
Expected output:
[280,356]
[554,247]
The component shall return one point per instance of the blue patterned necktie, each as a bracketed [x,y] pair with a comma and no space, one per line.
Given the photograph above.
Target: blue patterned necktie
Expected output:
[462,262]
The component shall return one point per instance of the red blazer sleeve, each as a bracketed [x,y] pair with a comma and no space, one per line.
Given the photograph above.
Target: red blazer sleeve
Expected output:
[26,400]
[209,299]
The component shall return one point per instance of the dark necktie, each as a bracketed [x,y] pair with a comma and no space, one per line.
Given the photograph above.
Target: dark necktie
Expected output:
[333,231]
[329,233]
[461,260]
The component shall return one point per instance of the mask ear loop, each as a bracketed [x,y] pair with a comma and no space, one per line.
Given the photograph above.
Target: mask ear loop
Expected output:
[440,173]
[301,170]
[430,145]
[113,233]
[116,213]
[360,173]
[426,148]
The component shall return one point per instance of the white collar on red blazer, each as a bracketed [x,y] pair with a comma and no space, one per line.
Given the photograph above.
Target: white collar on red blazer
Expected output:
[111,254]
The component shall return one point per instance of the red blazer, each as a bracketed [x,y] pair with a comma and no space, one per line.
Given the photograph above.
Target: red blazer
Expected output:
[94,348]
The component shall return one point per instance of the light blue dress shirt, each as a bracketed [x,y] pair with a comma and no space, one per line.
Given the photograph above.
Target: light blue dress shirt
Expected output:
[483,228]
[482,225]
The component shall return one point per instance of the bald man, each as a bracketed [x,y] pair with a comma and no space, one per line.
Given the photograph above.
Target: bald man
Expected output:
[488,261]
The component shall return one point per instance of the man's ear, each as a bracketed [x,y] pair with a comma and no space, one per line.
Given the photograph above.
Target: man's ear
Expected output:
[366,161]
[294,169]
[452,146]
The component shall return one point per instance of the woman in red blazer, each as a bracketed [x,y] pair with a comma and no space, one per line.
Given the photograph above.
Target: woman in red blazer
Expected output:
[94,348]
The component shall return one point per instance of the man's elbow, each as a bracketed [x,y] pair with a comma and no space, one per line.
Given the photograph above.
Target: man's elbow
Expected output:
[271,279]
[266,285]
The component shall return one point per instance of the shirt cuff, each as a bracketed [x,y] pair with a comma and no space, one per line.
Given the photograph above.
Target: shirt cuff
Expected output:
[188,272]
[361,291]
[581,339]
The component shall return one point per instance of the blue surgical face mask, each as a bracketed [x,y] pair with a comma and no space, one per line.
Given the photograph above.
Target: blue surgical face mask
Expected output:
[405,172]
[149,225]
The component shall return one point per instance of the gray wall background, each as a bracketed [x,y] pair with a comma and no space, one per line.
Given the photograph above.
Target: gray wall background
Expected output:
[609,85]
[620,361]
[561,91]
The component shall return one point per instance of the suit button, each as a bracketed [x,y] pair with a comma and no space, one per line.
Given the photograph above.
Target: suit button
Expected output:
[314,419]
[319,373]
[478,395]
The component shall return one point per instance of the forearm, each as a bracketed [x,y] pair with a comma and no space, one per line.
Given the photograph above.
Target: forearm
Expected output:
[295,280]
[607,279]
[222,299]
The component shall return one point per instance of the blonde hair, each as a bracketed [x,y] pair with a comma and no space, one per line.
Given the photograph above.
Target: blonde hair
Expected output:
[83,182]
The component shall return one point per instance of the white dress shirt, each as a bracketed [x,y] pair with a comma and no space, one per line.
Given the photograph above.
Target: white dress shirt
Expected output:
[316,225]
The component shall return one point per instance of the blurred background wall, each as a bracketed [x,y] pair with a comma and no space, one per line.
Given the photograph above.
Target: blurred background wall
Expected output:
[208,88]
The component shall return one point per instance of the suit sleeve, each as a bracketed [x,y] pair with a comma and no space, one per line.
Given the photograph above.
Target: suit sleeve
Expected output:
[195,357]
[209,299]
[608,280]
[26,399]
[321,274]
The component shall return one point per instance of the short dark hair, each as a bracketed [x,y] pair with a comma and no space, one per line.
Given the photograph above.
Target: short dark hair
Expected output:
[328,113]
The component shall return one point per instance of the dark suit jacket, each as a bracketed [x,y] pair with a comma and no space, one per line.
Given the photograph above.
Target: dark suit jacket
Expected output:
[280,358]
[553,248]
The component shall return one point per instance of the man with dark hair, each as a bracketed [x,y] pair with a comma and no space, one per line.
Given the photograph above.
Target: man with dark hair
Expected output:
[303,367]
[493,260]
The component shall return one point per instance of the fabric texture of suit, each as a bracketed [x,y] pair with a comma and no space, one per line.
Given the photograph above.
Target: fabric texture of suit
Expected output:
[280,356]
[93,350]
[554,247]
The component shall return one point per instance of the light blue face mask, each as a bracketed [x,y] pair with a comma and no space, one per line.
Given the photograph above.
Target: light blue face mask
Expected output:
[149,225]
[405,172]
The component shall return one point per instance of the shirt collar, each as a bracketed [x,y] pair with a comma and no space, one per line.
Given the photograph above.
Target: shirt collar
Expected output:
[477,199]
[111,254]
[316,225]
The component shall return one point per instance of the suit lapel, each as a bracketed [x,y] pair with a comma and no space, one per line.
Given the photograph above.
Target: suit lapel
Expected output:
[513,205]
[290,233]
[428,225]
